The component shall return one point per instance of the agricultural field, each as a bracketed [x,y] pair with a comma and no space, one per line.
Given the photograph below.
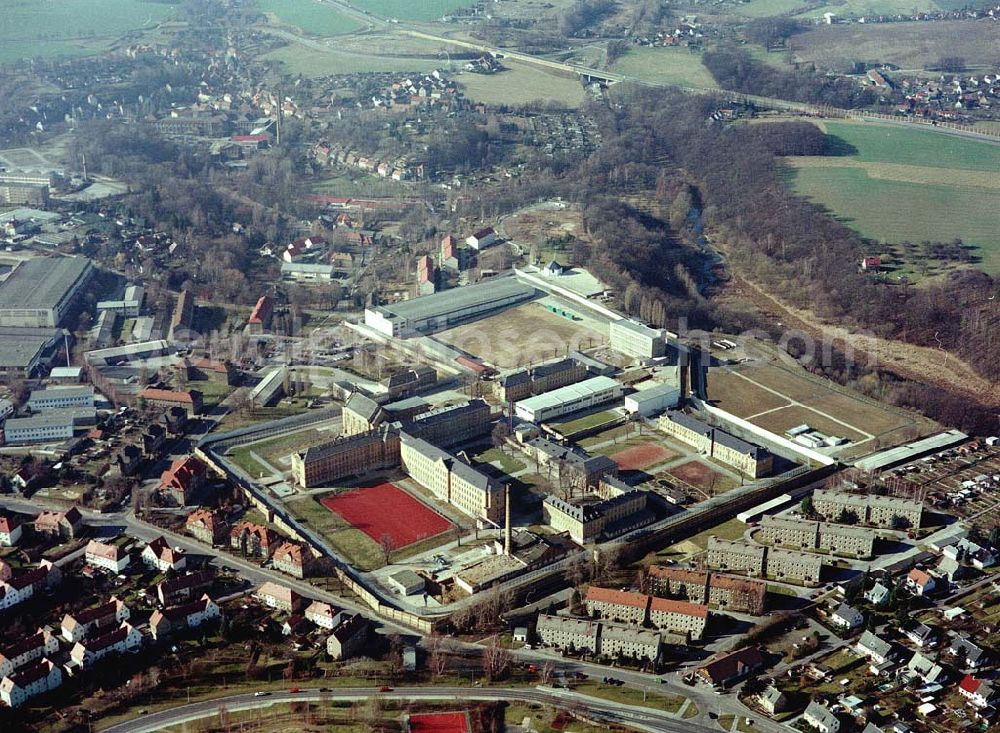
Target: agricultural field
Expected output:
[387,512]
[521,84]
[677,66]
[312,62]
[310,16]
[410,10]
[30,29]
[898,184]
[907,45]
[520,336]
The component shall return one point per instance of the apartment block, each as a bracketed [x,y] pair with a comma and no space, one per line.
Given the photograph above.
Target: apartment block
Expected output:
[879,511]
[798,567]
[807,535]
[678,617]
[742,595]
[735,556]
[598,637]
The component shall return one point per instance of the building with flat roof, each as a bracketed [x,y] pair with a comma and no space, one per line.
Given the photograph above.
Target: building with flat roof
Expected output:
[436,312]
[47,427]
[129,305]
[59,397]
[23,351]
[40,292]
[571,398]
[652,400]
[637,339]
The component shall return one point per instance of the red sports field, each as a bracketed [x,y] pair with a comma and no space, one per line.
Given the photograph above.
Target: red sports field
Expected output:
[387,510]
[642,456]
[439,723]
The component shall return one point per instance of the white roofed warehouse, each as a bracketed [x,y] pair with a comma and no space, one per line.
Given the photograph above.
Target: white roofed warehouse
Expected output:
[571,398]
[40,292]
[436,312]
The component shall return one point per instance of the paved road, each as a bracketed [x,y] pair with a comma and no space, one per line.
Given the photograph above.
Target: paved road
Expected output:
[609,712]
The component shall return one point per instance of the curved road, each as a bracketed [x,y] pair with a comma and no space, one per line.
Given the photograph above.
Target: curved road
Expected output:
[603,710]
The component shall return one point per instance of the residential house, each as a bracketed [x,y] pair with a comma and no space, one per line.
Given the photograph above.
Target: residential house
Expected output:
[878,595]
[24,651]
[36,679]
[184,477]
[821,718]
[729,668]
[920,634]
[62,525]
[208,526]
[82,624]
[153,440]
[847,617]
[125,638]
[348,638]
[279,597]
[113,558]
[174,591]
[919,582]
[951,569]
[967,655]
[772,700]
[10,531]
[877,650]
[189,616]
[254,540]
[323,615]
[979,693]
[482,238]
[292,558]
[163,557]
[924,668]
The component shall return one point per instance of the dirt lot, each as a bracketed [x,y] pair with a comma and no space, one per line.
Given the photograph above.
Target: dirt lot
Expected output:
[732,393]
[639,457]
[521,336]
[788,417]
[546,225]
[699,475]
[908,45]
[863,416]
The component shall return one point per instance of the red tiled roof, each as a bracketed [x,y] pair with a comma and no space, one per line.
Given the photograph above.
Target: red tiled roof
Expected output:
[669,606]
[918,576]
[622,598]
[970,684]
[182,472]
[166,395]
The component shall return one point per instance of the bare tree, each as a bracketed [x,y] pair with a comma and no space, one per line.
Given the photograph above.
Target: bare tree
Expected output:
[496,659]
[545,673]
[437,657]
[501,431]
[577,571]
[388,544]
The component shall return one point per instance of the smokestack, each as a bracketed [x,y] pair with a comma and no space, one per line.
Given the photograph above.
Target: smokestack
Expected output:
[684,375]
[506,504]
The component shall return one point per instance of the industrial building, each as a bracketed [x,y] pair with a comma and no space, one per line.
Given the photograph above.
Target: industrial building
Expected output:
[39,293]
[60,397]
[23,351]
[430,313]
[50,426]
[571,398]
[637,339]
[649,401]
[129,305]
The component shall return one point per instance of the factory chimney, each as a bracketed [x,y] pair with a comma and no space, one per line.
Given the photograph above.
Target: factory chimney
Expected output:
[507,527]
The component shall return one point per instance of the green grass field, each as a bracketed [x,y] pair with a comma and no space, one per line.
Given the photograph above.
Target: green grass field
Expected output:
[311,16]
[908,185]
[411,9]
[665,66]
[521,84]
[310,62]
[29,29]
